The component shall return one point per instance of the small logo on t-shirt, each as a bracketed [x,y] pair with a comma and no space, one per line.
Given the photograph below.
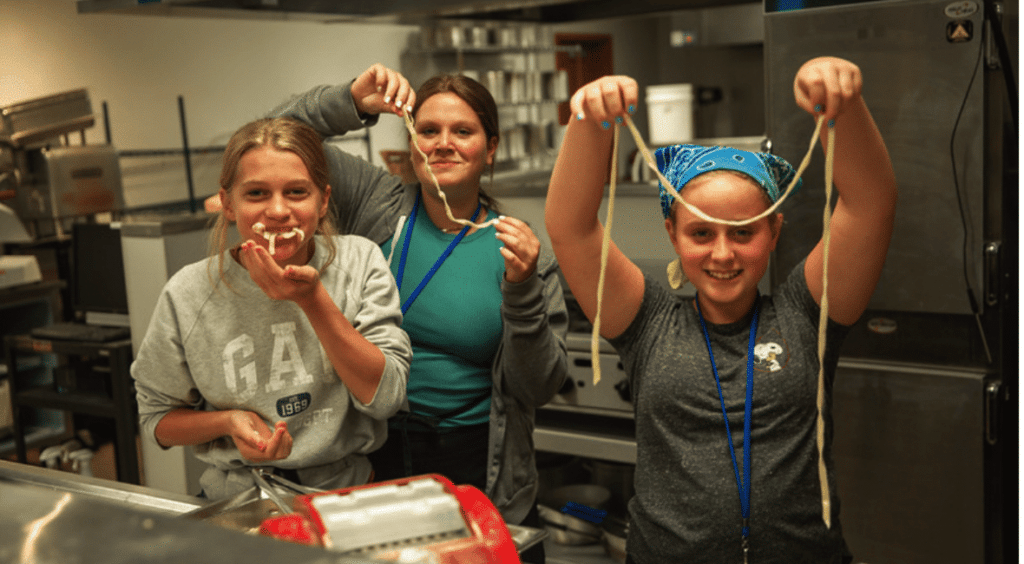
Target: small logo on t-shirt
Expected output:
[293,405]
[770,355]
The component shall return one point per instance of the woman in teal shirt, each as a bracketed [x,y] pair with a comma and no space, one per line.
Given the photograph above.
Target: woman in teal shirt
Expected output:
[488,325]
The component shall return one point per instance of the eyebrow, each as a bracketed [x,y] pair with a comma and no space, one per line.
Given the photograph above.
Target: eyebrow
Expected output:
[460,123]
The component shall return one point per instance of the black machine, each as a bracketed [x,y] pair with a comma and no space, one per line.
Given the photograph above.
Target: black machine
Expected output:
[98,295]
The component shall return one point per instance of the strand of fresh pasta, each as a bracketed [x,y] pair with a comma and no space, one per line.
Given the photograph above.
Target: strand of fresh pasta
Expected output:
[447,209]
[826,503]
[649,159]
[826,237]
[606,240]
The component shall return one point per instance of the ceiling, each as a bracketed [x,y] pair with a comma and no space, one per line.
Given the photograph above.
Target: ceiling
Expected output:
[400,11]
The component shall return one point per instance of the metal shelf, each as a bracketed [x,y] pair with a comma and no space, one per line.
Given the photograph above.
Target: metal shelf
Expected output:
[118,405]
[86,403]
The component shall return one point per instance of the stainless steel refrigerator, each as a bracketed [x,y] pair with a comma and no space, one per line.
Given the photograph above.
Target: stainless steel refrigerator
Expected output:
[926,393]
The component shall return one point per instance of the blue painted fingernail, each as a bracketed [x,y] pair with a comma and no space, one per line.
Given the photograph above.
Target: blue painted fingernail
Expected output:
[580,116]
[618,120]
[605,125]
[819,108]
[831,123]
[632,108]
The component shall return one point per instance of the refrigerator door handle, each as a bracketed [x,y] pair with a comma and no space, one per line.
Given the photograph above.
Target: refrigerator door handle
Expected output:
[993,273]
[993,393]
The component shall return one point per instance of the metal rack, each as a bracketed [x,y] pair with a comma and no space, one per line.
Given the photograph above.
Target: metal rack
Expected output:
[98,384]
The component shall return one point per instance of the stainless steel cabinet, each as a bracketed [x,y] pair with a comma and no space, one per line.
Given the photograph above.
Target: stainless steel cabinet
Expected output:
[914,453]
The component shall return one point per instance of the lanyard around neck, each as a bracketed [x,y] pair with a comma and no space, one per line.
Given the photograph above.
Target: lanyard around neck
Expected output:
[437,264]
[742,484]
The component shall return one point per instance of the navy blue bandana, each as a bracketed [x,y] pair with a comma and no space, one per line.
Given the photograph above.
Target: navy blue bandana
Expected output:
[682,163]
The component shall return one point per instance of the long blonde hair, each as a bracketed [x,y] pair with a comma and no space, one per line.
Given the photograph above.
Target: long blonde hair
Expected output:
[283,134]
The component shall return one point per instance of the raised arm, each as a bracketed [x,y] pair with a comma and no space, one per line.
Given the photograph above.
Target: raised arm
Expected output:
[338,109]
[574,197]
[862,221]
[368,199]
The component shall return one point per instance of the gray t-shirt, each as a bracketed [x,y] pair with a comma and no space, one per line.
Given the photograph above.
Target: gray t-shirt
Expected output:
[687,505]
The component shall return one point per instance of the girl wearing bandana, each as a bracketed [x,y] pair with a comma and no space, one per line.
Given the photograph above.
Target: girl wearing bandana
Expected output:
[725,384]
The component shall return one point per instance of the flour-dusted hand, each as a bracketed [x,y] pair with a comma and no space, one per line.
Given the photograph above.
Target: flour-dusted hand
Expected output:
[256,441]
[382,90]
[827,85]
[294,283]
[521,248]
[605,100]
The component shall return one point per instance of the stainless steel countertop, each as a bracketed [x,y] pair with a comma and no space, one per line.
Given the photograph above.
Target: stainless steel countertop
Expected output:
[41,524]
[48,516]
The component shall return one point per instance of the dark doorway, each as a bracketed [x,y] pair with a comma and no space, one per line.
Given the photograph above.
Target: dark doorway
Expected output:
[592,62]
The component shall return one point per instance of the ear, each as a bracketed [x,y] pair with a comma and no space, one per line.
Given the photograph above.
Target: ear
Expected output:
[225,205]
[492,147]
[670,227]
[326,204]
[776,227]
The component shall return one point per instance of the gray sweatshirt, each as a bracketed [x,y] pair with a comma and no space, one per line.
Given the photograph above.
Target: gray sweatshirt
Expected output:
[214,347]
[531,362]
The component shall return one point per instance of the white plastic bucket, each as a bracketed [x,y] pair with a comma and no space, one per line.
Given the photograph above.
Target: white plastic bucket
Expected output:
[670,113]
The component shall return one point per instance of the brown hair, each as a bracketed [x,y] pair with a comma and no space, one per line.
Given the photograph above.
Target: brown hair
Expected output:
[283,134]
[479,99]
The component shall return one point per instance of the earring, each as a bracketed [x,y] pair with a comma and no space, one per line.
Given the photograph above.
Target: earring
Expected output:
[676,278]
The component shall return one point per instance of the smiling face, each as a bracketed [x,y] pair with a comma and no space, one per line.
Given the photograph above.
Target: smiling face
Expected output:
[451,135]
[273,187]
[724,262]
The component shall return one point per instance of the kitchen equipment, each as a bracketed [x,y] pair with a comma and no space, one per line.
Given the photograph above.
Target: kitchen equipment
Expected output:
[670,113]
[566,529]
[585,419]
[19,269]
[50,179]
[610,396]
[590,495]
[31,123]
[613,536]
[617,477]
[923,400]
[418,519]
[272,495]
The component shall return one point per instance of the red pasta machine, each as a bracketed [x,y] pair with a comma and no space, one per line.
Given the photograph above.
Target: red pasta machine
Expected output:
[418,519]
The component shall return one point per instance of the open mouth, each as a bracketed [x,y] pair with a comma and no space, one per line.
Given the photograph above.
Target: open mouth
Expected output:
[272,236]
[723,274]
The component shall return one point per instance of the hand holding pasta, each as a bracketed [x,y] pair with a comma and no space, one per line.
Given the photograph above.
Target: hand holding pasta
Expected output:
[294,283]
[521,248]
[382,90]
[827,85]
[605,100]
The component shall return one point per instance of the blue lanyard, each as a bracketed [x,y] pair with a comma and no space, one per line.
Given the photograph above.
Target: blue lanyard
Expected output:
[744,484]
[440,260]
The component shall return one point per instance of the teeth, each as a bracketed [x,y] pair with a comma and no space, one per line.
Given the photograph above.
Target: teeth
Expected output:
[261,229]
[723,275]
